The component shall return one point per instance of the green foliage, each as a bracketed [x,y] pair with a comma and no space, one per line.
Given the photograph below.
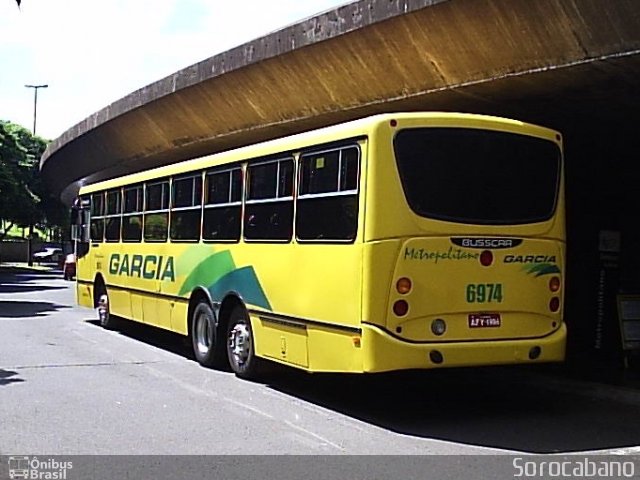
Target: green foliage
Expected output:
[25,201]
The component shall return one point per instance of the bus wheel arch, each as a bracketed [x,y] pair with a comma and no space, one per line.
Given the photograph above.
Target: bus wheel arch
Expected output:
[101,303]
[240,345]
[197,296]
[98,289]
[227,306]
[207,343]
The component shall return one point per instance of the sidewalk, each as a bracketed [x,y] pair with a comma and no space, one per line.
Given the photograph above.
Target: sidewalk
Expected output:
[601,380]
[628,377]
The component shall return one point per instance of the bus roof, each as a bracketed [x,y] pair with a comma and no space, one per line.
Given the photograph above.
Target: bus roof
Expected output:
[351,129]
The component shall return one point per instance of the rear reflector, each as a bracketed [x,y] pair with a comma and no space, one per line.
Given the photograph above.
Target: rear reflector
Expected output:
[400,308]
[486,258]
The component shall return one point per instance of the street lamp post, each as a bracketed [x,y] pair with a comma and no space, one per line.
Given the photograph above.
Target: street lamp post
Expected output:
[35,103]
[35,113]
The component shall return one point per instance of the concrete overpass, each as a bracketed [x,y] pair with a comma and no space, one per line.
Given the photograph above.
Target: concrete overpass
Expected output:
[550,61]
[573,65]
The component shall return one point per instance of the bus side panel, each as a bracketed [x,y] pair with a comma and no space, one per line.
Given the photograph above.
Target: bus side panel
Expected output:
[379,263]
[316,348]
[137,306]
[285,343]
[179,316]
[310,284]
[84,276]
[163,282]
[133,274]
[334,351]
[120,302]
[84,294]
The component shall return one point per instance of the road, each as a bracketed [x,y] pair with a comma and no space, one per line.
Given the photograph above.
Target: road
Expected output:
[69,387]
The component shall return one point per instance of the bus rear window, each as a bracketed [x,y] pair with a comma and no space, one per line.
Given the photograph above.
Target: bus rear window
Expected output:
[478,176]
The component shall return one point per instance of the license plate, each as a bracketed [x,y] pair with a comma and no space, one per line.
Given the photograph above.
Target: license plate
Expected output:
[484,320]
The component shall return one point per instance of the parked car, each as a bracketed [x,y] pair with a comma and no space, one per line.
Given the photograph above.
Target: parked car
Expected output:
[48,254]
[69,267]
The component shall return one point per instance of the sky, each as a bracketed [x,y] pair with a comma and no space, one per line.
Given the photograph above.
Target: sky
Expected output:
[91,53]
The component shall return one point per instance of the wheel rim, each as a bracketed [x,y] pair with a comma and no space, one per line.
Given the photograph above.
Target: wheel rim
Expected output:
[103,309]
[203,334]
[240,343]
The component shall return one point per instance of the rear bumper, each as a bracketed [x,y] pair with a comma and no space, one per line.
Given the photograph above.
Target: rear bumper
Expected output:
[382,352]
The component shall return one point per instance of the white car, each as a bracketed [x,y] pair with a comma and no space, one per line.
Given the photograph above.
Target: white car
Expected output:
[48,254]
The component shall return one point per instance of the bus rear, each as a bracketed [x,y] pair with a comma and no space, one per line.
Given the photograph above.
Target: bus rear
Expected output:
[465,251]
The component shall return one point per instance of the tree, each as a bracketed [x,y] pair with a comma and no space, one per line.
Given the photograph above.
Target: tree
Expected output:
[12,188]
[26,201]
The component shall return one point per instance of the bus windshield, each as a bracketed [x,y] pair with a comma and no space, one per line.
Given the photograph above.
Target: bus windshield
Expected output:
[475,176]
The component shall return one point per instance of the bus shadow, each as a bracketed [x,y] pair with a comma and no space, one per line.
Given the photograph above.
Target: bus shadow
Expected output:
[499,408]
[156,337]
[508,408]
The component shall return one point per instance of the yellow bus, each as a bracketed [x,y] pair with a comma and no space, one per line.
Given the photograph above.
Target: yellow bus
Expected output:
[397,241]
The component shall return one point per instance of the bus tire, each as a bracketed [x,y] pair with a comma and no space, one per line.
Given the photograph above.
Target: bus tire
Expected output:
[105,318]
[240,346]
[206,347]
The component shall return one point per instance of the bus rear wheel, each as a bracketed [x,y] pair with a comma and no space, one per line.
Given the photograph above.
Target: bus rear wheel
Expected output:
[240,346]
[206,348]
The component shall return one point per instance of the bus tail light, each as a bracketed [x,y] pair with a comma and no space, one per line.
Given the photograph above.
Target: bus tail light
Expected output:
[403,285]
[400,308]
[554,284]
[554,304]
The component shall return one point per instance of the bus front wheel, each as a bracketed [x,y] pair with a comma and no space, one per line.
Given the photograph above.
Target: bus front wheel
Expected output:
[104,311]
[240,346]
[203,336]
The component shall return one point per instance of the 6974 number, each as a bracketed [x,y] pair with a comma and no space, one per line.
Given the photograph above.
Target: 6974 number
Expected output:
[484,293]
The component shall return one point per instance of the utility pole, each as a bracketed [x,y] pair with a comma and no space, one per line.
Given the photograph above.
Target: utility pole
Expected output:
[35,103]
[35,114]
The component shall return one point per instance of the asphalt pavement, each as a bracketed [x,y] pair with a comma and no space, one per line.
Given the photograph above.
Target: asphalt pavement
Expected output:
[68,386]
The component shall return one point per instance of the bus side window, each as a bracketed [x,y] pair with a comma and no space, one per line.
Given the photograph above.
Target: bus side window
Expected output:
[156,211]
[132,216]
[327,205]
[222,205]
[269,205]
[113,220]
[97,217]
[186,208]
